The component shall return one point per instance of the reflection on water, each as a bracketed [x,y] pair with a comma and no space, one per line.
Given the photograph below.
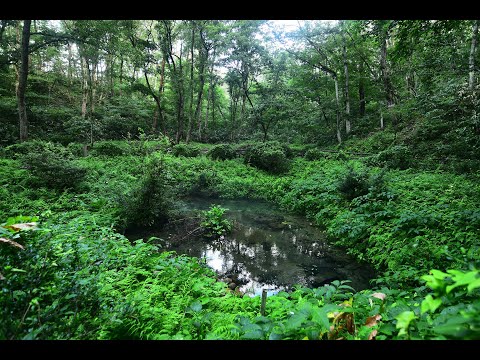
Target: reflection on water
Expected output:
[270,250]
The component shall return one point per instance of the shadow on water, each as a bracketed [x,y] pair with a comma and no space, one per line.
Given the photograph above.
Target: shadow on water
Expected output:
[267,249]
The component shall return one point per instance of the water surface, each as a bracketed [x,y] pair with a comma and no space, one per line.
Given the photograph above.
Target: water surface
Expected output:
[268,249]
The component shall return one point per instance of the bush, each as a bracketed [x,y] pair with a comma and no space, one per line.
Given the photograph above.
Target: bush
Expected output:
[214,223]
[151,202]
[185,150]
[109,148]
[53,167]
[314,154]
[17,151]
[353,184]
[268,156]
[396,157]
[222,152]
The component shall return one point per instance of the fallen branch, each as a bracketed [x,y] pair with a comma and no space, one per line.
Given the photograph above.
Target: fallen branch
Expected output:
[11,242]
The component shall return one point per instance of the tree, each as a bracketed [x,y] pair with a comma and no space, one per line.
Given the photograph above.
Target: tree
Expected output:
[22,81]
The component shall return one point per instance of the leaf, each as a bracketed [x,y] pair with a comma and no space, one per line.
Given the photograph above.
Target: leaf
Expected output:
[379,295]
[403,321]
[11,242]
[430,304]
[372,335]
[462,279]
[196,306]
[275,336]
[473,285]
[372,320]
[437,274]
[22,226]
[253,335]
[455,326]
[295,320]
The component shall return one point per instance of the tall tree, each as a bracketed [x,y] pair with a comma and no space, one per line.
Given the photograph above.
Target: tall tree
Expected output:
[22,81]
[471,59]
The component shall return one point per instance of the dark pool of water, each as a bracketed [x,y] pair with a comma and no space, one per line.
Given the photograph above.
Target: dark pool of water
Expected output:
[268,249]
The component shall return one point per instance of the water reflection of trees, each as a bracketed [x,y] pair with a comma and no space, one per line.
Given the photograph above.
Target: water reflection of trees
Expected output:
[271,248]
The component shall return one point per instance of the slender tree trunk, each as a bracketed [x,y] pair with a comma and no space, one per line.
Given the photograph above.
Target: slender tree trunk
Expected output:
[22,81]
[85,89]
[121,76]
[348,126]
[471,77]
[70,64]
[209,95]
[339,133]
[387,82]
[180,98]
[198,107]
[161,88]
[93,86]
[471,60]
[361,90]
[190,113]
[158,109]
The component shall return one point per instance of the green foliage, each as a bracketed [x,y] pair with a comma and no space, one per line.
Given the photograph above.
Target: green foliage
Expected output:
[222,152]
[314,154]
[214,223]
[110,148]
[354,184]
[396,157]
[269,156]
[20,150]
[79,279]
[150,202]
[52,166]
[186,150]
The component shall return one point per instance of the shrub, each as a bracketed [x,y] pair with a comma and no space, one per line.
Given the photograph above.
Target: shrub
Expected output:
[353,184]
[396,157]
[185,150]
[151,202]
[109,148]
[214,222]
[314,154]
[76,149]
[222,152]
[53,167]
[17,151]
[268,156]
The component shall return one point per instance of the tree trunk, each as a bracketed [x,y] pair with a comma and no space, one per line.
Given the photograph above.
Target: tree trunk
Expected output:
[347,96]
[160,95]
[209,95]
[121,76]
[387,82]
[22,81]
[70,64]
[158,109]
[339,134]
[198,108]
[93,87]
[85,89]
[471,60]
[361,90]
[180,97]
[190,113]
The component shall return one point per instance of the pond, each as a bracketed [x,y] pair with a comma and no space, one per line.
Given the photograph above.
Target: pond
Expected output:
[267,249]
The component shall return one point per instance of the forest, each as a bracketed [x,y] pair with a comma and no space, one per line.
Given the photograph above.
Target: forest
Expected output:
[322,150]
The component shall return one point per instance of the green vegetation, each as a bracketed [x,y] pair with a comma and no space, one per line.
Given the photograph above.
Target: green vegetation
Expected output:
[214,222]
[368,128]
